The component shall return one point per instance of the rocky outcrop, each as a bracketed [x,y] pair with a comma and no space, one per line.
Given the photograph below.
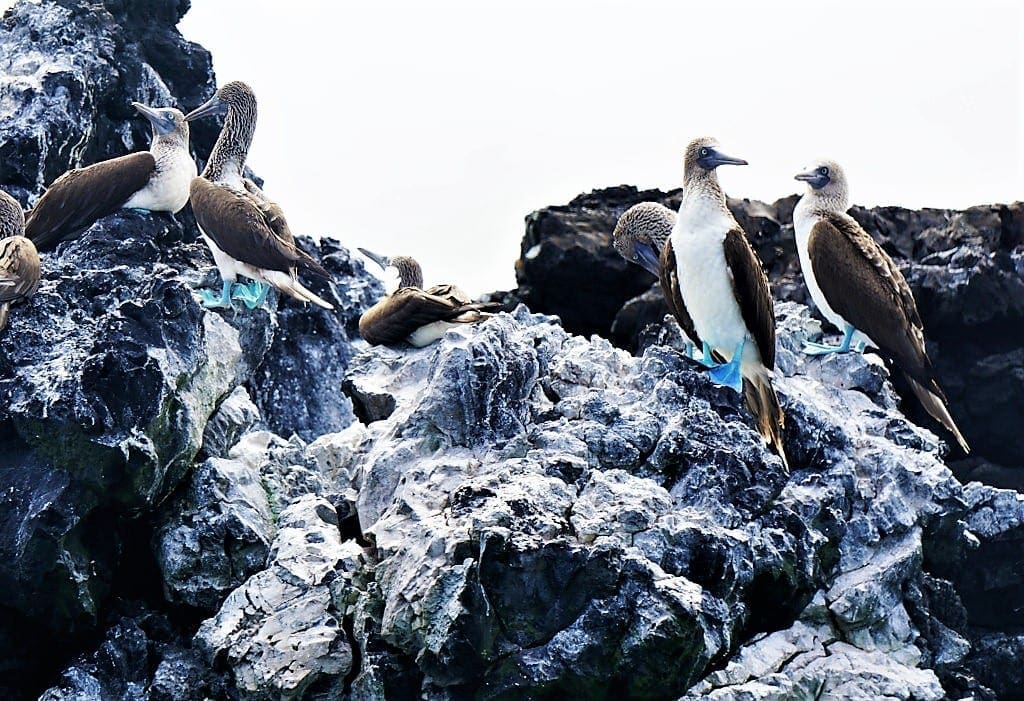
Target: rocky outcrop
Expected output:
[255,505]
[964,267]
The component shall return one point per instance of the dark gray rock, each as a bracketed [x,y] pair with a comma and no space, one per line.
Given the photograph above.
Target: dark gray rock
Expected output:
[74,68]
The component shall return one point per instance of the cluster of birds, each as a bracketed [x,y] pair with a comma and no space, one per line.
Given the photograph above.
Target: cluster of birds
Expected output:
[245,230]
[716,288]
[712,279]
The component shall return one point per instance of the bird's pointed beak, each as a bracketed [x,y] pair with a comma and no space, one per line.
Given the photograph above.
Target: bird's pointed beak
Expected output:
[160,122]
[718,158]
[212,106]
[813,178]
[647,257]
[380,260]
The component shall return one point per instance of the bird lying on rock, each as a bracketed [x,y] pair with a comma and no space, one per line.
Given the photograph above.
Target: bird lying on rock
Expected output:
[413,314]
[246,232]
[19,261]
[149,181]
[716,282]
[858,287]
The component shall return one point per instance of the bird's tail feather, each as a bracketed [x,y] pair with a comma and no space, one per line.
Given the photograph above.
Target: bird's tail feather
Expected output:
[935,405]
[307,262]
[296,289]
[764,405]
[4,308]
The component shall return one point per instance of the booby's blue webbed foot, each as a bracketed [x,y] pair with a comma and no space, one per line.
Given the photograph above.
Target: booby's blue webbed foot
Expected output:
[812,348]
[140,210]
[706,359]
[211,301]
[252,295]
[727,374]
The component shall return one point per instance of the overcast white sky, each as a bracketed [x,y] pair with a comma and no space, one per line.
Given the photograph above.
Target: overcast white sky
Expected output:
[432,128]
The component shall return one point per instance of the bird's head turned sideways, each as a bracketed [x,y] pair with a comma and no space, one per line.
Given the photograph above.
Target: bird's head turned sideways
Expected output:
[409,272]
[234,96]
[165,120]
[826,181]
[641,232]
[703,156]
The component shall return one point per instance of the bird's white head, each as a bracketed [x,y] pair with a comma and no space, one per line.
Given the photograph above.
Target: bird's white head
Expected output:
[826,183]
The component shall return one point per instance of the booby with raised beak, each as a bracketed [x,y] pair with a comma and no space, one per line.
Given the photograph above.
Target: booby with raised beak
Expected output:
[413,314]
[858,287]
[19,261]
[721,285]
[151,181]
[246,232]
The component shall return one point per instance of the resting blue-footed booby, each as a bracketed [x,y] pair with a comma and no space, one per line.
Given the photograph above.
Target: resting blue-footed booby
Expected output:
[857,287]
[246,232]
[413,314]
[720,284]
[19,261]
[156,180]
[641,234]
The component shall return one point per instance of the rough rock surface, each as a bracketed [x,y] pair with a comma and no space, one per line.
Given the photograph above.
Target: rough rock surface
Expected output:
[254,505]
[966,269]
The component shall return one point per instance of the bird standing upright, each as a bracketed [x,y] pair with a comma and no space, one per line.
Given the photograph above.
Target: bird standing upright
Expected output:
[413,314]
[246,232]
[19,261]
[718,281]
[156,180]
[859,289]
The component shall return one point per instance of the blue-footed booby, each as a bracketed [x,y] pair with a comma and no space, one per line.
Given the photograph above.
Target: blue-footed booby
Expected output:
[858,288]
[718,281]
[413,314]
[641,234]
[19,261]
[246,232]
[156,180]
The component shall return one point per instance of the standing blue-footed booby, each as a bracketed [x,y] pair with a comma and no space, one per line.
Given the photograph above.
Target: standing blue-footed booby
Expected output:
[718,281]
[857,287]
[641,234]
[246,232]
[413,314]
[156,180]
[19,261]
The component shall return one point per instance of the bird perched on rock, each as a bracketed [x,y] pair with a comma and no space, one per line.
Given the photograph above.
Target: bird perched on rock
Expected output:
[716,281]
[640,235]
[156,180]
[858,288]
[246,232]
[413,314]
[19,261]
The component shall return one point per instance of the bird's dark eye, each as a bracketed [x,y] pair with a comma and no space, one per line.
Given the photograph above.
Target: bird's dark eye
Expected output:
[823,170]
[703,152]
[636,256]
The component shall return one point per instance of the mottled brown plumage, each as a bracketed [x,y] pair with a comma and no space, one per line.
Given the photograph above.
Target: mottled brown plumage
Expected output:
[19,273]
[415,315]
[719,282]
[854,282]
[246,231]
[156,180]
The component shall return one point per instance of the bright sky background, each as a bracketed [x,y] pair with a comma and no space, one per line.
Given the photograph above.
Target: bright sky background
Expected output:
[432,128]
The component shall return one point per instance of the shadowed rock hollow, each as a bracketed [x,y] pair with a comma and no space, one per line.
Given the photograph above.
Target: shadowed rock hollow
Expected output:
[256,505]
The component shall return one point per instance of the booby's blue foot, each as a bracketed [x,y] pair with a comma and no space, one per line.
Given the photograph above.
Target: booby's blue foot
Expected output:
[706,359]
[252,295]
[811,348]
[728,374]
[212,301]
[140,210]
